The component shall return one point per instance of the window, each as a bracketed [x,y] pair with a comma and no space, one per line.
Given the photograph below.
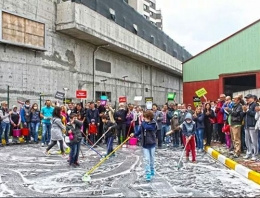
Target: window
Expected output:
[151,4]
[146,7]
[112,14]
[151,14]
[103,66]
[146,17]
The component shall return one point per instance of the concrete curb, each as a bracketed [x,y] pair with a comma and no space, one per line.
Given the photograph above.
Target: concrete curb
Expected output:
[242,170]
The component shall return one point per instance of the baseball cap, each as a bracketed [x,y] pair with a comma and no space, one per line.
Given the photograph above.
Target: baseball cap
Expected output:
[249,96]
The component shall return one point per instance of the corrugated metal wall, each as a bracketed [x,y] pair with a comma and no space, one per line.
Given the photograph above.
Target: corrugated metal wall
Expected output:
[239,53]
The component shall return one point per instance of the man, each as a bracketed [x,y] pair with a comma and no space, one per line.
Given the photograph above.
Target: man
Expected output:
[85,121]
[251,137]
[46,114]
[26,120]
[92,113]
[71,109]
[166,122]
[220,118]
[158,117]
[120,118]
[228,104]
[236,114]
[5,122]
[101,111]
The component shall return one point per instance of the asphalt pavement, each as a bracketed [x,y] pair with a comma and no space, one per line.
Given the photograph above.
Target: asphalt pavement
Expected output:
[26,171]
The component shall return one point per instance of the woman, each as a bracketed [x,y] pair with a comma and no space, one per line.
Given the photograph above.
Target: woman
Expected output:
[138,118]
[73,129]
[129,121]
[57,129]
[35,121]
[15,120]
[208,121]
[198,118]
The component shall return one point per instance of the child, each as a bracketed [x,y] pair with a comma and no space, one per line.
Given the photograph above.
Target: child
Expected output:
[74,127]
[109,125]
[226,130]
[148,141]
[57,129]
[175,129]
[92,131]
[188,131]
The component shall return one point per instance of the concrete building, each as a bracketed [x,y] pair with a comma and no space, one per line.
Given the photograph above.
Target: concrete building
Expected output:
[147,8]
[49,45]
[231,65]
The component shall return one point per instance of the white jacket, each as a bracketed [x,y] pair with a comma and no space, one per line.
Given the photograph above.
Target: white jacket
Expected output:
[257,118]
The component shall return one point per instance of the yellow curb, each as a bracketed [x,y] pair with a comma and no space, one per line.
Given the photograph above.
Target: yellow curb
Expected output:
[254,176]
[230,163]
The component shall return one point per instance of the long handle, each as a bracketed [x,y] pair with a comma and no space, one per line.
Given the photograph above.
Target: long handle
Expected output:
[184,150]
[104,159]
[99,139]
[130,128]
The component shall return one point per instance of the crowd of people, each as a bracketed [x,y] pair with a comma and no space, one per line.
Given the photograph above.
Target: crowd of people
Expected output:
[235,123]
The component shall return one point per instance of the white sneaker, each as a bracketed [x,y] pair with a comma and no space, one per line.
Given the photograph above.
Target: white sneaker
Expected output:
[167,145]
[246,157]
[42,144]
[253,158]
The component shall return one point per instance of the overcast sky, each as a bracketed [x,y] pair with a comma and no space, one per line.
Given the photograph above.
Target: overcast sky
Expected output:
[198,24]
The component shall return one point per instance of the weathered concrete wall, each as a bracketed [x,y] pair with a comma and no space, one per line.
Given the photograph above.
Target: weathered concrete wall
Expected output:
[68,61]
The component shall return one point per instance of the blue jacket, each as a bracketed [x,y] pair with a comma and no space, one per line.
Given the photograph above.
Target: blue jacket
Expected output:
[249,116]
[188,129]
[230,105]
[147,127]
[199,121]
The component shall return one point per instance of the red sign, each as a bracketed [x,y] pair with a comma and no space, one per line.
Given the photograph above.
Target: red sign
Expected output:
[81,94]
[122,99]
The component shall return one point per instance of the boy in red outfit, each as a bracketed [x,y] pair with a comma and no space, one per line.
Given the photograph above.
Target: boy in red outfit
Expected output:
[92,131]
[188,134]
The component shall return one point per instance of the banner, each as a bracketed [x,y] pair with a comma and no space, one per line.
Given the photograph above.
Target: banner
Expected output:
[149,102]
[201,92]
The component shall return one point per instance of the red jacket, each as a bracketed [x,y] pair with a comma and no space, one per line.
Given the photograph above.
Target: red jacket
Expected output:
[92,129]
[219,113]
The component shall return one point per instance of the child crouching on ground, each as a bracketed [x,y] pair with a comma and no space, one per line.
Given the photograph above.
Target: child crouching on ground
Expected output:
[108,125]
[148,141]
[73,129]
[188,128]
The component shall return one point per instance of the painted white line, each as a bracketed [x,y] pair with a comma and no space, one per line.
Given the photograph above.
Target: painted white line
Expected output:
[210,151]
[222,159]
[242,170]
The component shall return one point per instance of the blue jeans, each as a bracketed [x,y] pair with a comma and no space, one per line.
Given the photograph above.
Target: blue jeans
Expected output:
[34,130]
[5,128]
[176,138]
[46,133]
[199,138]
[137,127]
[165,129]
[110,145]
[74,152]
[149,155]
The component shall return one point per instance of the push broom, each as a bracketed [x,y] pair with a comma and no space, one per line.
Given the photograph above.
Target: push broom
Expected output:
[86,177]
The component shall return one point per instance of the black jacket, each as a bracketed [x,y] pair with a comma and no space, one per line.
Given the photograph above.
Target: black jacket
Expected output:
[92,114]
[121,113]
[112,131]
[76,130]
[249,116]
[236,115]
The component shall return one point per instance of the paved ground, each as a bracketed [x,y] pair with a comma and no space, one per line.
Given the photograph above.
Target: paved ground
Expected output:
[253,165]
[25,171]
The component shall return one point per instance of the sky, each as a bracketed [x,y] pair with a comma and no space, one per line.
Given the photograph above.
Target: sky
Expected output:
[199,24]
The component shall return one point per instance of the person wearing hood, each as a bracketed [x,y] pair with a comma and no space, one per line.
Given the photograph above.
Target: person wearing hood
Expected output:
[5,122]
[26,120]
[188,128]
[15,120]
[148,131]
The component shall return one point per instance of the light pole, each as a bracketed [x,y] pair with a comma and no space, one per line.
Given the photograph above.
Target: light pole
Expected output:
[65,95]
[94,68]
[104,80]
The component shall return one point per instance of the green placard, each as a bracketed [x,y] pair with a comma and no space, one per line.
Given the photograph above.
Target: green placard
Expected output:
[171,96]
